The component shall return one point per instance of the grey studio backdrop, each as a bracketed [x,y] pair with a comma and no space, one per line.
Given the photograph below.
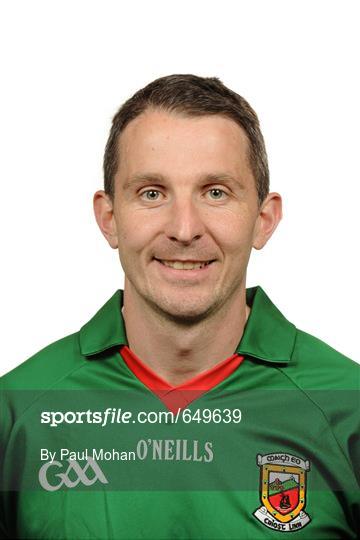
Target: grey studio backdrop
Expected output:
[66,70]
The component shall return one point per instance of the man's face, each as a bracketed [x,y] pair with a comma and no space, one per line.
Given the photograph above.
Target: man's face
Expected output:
[184,192]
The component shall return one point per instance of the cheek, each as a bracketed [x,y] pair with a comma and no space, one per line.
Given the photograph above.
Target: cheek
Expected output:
[135,232]
[234,235]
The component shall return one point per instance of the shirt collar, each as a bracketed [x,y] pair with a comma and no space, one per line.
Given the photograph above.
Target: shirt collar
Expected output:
[267,336]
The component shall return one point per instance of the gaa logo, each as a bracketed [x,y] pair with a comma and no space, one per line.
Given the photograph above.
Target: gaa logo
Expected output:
[65,476]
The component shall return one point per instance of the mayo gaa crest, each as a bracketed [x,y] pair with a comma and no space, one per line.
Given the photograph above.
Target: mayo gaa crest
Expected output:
[282,492]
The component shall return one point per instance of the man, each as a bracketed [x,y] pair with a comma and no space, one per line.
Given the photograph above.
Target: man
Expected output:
[188,406]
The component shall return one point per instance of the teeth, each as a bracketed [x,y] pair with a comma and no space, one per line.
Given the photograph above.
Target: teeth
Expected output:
[178,265]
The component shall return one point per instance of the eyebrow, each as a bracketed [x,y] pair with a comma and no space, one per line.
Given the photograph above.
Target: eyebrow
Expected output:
[144,178]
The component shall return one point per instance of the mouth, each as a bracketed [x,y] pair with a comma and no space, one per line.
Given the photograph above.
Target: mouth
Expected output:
[185,265]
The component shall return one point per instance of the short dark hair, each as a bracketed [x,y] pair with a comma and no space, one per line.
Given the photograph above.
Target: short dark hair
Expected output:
[193,96]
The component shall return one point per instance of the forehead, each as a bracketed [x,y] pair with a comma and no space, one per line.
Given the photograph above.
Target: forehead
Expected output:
[161,139]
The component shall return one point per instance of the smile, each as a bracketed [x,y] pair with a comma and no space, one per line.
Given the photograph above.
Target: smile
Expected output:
[185,265]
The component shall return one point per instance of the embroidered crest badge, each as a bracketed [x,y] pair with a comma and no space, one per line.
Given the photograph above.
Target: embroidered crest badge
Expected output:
[282,492]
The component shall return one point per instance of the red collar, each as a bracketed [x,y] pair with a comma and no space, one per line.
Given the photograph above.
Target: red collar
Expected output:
[179,397]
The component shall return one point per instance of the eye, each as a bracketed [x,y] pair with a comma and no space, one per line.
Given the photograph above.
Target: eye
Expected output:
[151,194]
[217,193]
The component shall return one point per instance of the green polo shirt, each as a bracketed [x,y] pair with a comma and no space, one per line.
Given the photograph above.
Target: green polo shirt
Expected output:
[88,451]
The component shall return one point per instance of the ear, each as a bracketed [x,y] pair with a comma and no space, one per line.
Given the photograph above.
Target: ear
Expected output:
[104,215]
[268,219]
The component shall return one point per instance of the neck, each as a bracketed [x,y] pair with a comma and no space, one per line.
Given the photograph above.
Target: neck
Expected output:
[177,353]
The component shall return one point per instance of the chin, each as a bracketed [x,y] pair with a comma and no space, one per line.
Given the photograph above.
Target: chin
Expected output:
[186,315]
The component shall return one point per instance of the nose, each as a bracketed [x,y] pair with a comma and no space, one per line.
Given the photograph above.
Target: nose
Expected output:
[185,223]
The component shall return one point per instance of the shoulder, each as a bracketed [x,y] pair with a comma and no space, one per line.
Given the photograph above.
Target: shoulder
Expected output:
[22,387]
[47,366]
[331,381]
[319,366]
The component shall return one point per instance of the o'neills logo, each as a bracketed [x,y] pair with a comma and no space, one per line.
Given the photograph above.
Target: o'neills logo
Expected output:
[282,492]
[174,449]
[64,477]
